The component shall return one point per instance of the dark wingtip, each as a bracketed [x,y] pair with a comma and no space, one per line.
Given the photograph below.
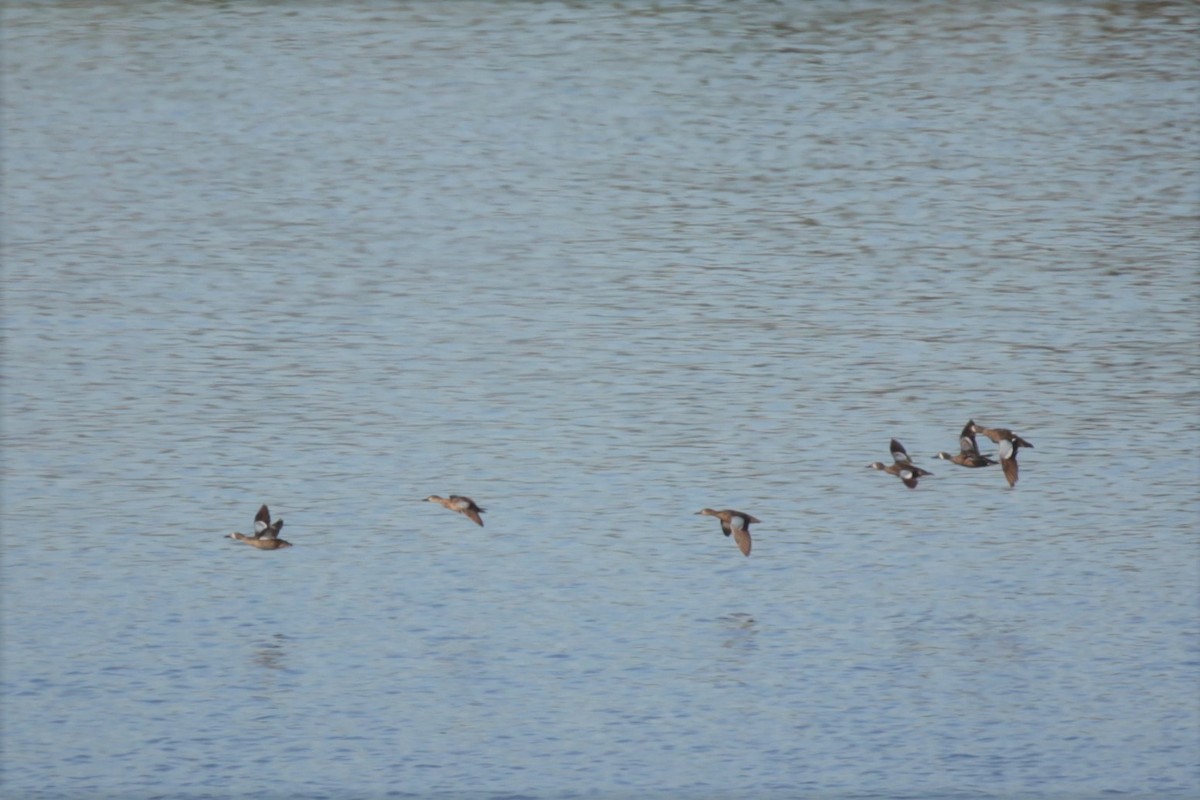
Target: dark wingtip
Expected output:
[1010,468]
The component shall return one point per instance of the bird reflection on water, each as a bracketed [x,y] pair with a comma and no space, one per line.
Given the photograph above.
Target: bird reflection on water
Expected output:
[741,630]
[271,654]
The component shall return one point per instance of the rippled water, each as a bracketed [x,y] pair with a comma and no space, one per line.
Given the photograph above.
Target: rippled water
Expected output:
[599,266]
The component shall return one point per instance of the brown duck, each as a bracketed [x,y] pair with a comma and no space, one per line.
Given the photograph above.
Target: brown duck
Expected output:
[968,451]
[1007,445]
[733,522]
[463,505]
[266,533]
[901,466]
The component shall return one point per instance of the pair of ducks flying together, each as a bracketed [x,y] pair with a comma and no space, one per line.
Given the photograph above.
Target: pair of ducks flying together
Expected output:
[733,523]
[968,455]
[266,533]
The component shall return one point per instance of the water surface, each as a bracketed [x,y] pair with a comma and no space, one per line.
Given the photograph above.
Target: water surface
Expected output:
[598,266]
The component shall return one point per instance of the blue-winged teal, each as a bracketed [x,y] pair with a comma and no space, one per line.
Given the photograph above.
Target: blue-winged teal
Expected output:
[736,523]
[266,534]
[901,467]
[968,451]
[463,505]
[1007,445]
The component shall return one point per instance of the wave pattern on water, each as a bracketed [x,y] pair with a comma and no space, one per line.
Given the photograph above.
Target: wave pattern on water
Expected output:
[598,267]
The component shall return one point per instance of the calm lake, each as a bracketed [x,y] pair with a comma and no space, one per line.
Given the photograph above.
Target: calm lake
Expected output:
[598,266]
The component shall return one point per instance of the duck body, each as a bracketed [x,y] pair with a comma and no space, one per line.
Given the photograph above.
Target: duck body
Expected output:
[733,523]
[262,543]
[901,466]
[460,504]
[266,533]
[967,459]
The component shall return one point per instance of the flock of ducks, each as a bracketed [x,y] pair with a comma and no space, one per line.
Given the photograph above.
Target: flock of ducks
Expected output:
[733,523]
[968,455]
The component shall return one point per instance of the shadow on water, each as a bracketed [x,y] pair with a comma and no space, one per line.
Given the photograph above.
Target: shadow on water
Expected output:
[271,654]
[740,631]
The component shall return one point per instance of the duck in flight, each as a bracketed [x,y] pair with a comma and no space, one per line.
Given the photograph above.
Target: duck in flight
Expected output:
[901,466]
[968,451]
[266,533]
[463,505]
[735,523]
[1007,445]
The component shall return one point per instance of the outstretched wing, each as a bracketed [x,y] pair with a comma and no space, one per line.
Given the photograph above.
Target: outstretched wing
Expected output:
[899,453]
[1008,460]
[262,521]
[966,440]
[466,506]
[742,537]
[1009,465]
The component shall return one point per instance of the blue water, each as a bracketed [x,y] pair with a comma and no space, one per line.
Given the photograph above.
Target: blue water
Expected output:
[598,266]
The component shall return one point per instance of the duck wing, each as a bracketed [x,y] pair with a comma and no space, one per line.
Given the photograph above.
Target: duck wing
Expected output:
[966,440]
[1008,460]
[467,507]
[262,521]
[742,537]
[1009,465]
